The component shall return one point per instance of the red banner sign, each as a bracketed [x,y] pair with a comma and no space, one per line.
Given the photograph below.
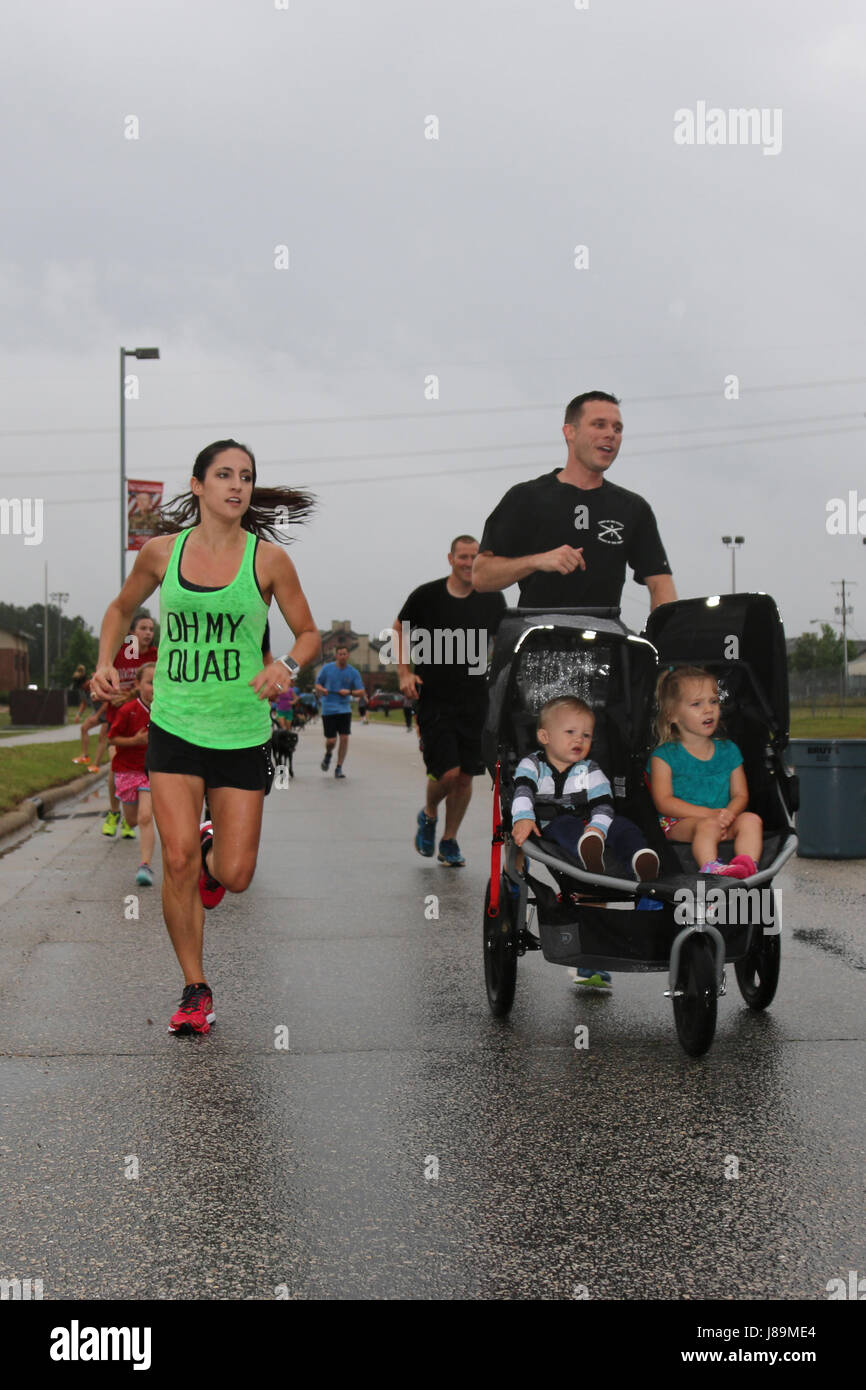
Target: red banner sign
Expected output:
[142,507]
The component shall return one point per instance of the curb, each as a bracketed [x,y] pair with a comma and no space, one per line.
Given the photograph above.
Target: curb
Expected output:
[35,807]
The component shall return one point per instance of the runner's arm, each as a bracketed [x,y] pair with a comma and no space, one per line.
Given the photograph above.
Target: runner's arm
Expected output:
[410,684]
[491,572]
[661,588]
[147,574]
[282,583]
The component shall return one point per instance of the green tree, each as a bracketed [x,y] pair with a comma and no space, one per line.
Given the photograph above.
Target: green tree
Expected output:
[820,653]
[81,649]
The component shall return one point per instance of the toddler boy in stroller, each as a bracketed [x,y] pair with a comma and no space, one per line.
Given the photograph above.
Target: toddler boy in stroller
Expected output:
[562,793]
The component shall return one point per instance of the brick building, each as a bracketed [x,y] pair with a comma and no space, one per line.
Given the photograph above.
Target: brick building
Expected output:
[363,652]
[14,661]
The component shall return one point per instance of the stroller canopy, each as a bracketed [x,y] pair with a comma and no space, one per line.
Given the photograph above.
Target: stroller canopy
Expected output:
[740,639]
[590,654]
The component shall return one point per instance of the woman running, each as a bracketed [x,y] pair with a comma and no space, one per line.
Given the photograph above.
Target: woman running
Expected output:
[210,719]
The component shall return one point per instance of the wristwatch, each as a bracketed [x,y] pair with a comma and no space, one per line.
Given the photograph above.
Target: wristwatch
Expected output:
[290,664]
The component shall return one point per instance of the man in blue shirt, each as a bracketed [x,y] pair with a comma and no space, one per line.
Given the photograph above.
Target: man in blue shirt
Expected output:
[339,684]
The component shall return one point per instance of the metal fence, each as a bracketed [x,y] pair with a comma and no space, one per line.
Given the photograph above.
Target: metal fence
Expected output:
[823,691]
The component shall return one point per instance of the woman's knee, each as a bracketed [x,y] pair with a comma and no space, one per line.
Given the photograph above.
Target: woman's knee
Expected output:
[181,862]
[238,877]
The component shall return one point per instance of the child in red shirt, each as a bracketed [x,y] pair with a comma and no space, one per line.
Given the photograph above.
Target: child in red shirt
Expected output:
[129,731]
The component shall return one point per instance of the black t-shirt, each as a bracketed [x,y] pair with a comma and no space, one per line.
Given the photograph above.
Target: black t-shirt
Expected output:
[614,527]
[449,642]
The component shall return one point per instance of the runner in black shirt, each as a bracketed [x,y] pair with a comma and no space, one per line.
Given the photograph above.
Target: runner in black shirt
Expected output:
[444,627]
[567,536]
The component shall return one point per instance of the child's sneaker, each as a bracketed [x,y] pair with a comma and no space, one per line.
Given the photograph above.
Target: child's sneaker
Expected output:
[196,1012]
[144,877]
[741,866]
[109,825]
[590,851]
[645,863]
[712,866]
[82,758]
[127,832]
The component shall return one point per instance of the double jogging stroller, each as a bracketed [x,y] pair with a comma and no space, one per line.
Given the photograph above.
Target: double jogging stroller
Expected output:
[688,924]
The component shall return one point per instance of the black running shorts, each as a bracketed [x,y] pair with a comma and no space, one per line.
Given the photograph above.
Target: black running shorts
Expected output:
[451,738]
[334,724]
[248,769]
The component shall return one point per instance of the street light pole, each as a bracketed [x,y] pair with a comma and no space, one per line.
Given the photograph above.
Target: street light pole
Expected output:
[60,599]
[732,542]
[45,632]
[124,353]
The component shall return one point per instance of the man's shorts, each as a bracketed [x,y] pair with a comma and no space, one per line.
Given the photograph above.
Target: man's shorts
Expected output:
[127,785]
[334,724]
[248,769]
[451,738]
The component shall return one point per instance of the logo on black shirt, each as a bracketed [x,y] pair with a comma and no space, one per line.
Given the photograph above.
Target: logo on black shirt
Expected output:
[611,532]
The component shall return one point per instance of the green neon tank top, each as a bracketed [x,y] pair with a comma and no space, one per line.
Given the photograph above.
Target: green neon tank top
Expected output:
[210,648]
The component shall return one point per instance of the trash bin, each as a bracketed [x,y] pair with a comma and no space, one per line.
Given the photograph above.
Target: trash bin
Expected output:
[37,707]
[831,821]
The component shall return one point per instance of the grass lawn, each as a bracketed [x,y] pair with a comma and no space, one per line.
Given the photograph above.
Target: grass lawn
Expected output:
[830,723]
[395,718]
[377,716]
[28,770]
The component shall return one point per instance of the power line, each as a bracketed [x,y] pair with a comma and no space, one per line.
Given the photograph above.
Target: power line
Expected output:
[430,414]
[506,467]
[500,448]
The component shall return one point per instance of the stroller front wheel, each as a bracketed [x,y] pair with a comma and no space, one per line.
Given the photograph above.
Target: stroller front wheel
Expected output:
[500,952]
[695,1000]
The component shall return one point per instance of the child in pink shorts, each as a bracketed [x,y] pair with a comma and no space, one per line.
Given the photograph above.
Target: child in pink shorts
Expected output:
[129,732]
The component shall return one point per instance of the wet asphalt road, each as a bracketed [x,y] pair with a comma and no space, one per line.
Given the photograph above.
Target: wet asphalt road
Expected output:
[405,1144]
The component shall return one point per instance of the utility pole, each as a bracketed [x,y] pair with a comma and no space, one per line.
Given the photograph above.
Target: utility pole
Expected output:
[844,609]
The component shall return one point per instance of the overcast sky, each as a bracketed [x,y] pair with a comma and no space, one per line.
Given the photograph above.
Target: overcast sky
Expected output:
[305,127]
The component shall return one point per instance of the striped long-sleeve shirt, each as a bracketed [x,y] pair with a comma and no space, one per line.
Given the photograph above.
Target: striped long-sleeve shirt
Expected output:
[541,793]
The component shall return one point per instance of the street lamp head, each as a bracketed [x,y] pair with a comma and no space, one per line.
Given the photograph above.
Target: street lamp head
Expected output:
[146,352]
[739,540]
[726,540]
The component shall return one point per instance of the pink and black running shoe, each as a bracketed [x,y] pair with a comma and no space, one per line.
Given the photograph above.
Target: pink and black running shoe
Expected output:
[210,890]
[196,1012]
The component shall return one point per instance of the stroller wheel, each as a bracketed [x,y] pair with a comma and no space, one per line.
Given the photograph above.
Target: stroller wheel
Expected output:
[500,952]
[758,972]
[695,1001]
